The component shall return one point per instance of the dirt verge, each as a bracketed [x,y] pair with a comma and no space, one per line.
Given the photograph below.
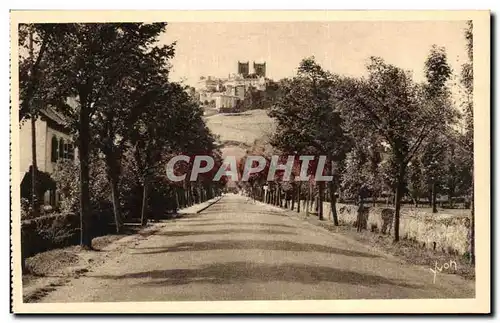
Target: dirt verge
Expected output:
[411,252]
[48,270]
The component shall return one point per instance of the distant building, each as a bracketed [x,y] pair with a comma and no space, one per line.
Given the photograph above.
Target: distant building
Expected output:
[235,81]
[239,91]
[209,84]
[243,69]
[224,93]
[259,69]
[225,101]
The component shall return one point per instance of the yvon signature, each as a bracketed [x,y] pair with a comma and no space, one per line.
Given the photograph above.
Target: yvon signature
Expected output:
[447,266]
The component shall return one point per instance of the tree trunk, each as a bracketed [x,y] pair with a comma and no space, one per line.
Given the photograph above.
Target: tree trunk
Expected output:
[34,168]
[196,196]
[434,193]
[83,152]
[298,197]
[209,192]
[186,195]
[313,198]
[278,195]
[309,197]
[359,220]
[34,208]
[321,189]
[292,202]
[177,206]
[182,197]
[116,204]
[451,192]
[333,204]
[144,210]
[399,193]
[113,171]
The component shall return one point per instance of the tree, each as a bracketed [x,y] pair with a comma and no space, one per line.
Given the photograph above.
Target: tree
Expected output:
[122,102]
[31,93]
[453,163]
[433,167]
[82,62]
[391,105]
[437,73]
[170,123]
[416,184]
[152,135]
[467,80]
[356,175]
[309,121]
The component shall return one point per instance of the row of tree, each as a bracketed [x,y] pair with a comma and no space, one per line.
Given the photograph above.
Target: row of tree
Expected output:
[110,82]
[382,134]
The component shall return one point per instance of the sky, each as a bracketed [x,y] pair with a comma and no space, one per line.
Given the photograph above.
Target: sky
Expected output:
[214,48]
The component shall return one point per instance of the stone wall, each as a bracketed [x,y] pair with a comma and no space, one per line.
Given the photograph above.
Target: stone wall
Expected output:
[441,231]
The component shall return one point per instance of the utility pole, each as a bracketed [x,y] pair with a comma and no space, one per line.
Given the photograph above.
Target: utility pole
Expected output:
[34,168]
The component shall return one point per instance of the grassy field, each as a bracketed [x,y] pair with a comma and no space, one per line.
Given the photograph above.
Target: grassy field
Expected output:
[238,131]
[245,127]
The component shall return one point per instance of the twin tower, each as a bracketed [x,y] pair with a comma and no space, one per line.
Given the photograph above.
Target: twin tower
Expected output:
[258,69]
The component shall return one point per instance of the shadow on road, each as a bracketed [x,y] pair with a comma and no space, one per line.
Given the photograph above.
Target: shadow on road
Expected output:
[248,212]
[221,231]
[255,244]
[249,272]
[243,223]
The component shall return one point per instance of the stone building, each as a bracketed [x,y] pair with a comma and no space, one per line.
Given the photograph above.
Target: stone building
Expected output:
[259,69]
[243,69]
[225,93]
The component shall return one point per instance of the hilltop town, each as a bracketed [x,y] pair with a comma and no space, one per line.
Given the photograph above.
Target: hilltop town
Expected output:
[226,94]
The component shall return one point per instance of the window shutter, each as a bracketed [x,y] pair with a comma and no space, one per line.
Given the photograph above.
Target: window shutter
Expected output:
[61,148]
[53,155]
[71,152]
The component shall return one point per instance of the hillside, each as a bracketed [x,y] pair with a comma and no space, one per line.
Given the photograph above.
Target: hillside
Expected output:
[238,131]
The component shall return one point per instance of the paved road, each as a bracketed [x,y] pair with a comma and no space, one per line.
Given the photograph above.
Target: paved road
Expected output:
[238,250]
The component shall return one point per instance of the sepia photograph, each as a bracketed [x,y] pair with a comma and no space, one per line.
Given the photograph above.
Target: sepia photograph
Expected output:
[250,162]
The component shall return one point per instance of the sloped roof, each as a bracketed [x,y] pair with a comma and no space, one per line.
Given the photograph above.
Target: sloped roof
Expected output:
[53,115]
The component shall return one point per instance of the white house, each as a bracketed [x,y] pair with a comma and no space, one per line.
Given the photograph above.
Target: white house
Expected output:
[225,101]
[53,142]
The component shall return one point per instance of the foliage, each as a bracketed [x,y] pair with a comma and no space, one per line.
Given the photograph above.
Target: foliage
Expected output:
[260,99]
[69,189]
[417,187]
[308,120]
[433,161]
